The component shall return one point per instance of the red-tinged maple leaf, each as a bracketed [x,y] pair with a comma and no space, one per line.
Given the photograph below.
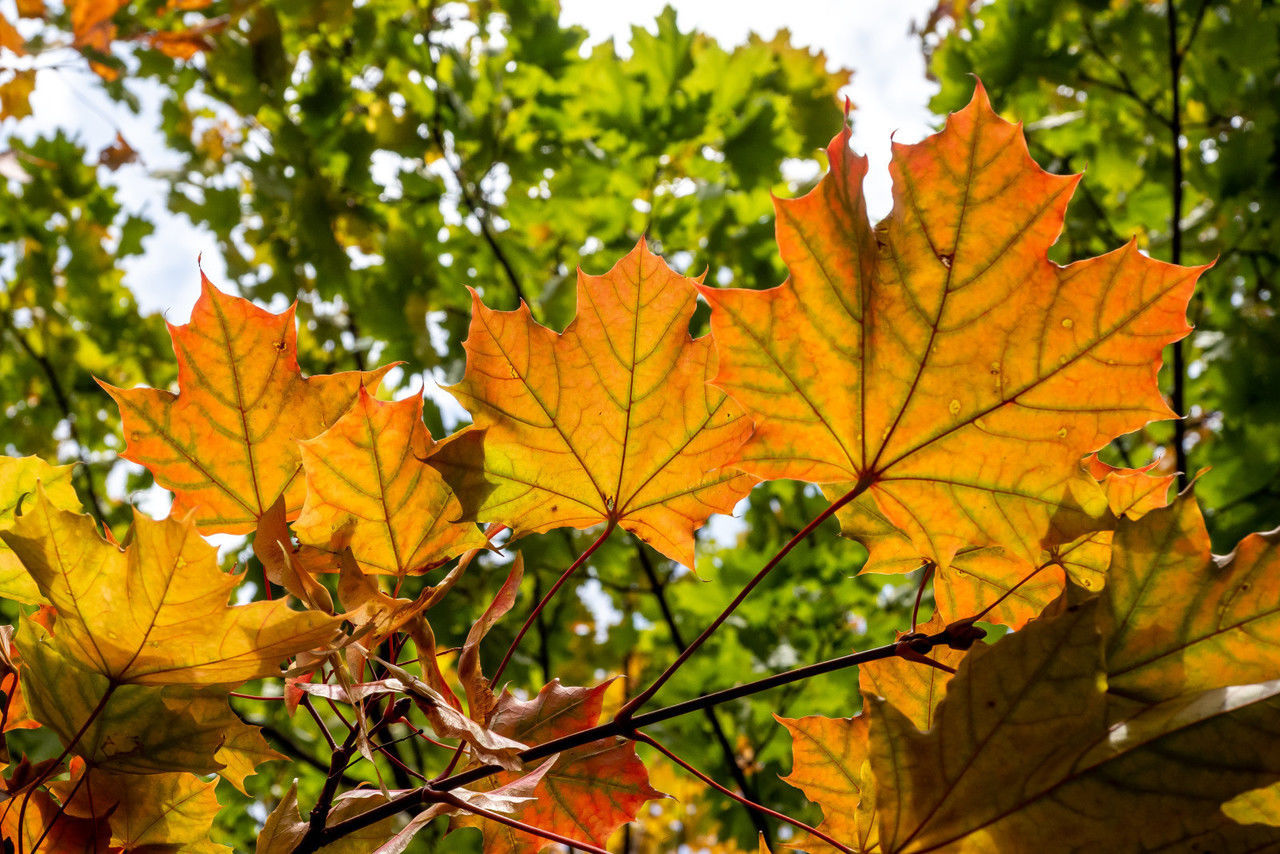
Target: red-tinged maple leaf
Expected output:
[587,794]
[227,443]
[941,361]
[609,421]
[369,488]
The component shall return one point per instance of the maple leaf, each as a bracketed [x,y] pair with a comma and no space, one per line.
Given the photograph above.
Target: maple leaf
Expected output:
[368,487]
[829,764]
[173,811]
[44,822]
[609,421]
[155,612]
[92,30]
[912,688]
[10,38]
[1181,620]
[1257,806]
[19,477]
[1004,586]
[135,729]
[227,443]
[1029,752]
[940,361]
[587,794]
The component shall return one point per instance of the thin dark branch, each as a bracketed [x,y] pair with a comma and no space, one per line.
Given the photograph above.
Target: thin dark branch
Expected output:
[648,693]
[287,745]
[753,806]
[717,731]
[1178,394]
[414,800]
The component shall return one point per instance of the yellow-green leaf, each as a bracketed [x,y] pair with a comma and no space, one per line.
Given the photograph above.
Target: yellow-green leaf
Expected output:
[155,612]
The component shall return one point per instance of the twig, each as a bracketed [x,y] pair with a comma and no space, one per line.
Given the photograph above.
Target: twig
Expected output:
[652,742]
[647,694]
[413,800]
[537,609]
[730,758]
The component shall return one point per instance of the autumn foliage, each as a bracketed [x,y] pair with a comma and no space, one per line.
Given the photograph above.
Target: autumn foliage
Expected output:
[943,383]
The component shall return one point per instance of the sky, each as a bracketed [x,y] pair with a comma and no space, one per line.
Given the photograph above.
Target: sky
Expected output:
[888,89]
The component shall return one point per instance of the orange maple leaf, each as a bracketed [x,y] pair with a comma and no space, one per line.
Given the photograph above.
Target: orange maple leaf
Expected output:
[830,765]
[941,361]
[610,421]
[227,444]
[1179,619]
[1006,586]
[369,486]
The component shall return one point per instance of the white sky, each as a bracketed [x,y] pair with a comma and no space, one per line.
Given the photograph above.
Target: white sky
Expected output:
[888,89]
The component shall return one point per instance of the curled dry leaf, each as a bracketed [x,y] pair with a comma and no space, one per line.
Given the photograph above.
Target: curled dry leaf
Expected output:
[488,746]
[587,793]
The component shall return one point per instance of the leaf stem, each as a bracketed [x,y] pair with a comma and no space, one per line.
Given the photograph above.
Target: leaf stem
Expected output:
[542,603]
[647,694]
[39,781]
[656,745]
[549,835]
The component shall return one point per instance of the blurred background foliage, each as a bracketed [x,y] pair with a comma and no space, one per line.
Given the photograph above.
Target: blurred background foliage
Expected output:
[371,159]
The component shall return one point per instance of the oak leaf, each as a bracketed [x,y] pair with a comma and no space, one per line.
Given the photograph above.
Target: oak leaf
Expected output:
[227,443]
[368,485]
[609,421]
[155,612]
[939,360]
[587,794]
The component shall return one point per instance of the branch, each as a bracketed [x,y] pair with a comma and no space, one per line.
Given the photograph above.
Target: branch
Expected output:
[755,812]
[647,694]
[537,609]
[1177,395]
[752,805]
[619,727]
